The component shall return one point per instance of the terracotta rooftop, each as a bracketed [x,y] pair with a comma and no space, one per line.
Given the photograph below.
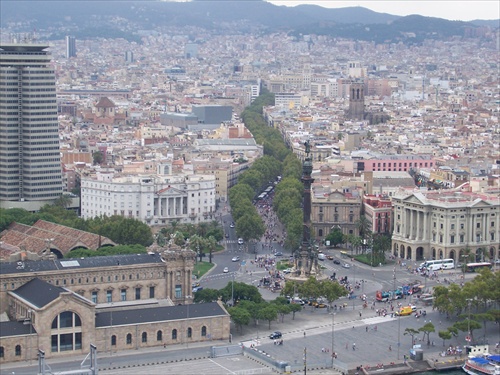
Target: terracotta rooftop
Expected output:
[105,102]
[64,239]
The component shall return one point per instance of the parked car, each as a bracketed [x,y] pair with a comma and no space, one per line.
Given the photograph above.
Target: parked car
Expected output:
[336,261]
[275,335]
[226,270]
[235,259]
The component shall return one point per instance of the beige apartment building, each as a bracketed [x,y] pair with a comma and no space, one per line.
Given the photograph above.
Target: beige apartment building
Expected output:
[331,209]
[445,224]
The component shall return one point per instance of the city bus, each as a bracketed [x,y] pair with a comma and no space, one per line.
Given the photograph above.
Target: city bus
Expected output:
[439,264]
[474,267]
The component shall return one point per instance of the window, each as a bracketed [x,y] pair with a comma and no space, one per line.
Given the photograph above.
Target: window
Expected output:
[18,350]
[109,296]
[123,294]
[159,336]
[461,238]
[151,292]
[94,297]
[174,334]
[2,352]
[113,340]
[452,239]
[178,291]
[203,331]
[478,225]
[462,226]
[189,332]
[452,226]
[66,332]
[144,337]
[441,238]
[137,293]
[129,338]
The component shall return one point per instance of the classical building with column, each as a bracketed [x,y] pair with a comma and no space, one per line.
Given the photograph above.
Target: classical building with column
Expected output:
[117,303]
[445,224]
[156,199]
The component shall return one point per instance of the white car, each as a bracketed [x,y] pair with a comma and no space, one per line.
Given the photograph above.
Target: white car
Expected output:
[235,259]
[240,241]
[346,265]
[226,270]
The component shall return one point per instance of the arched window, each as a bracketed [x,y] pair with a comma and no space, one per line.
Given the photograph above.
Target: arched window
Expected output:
[190,332]
[129,338]
[144,337]
[113,340]
[66,333]
[203,331]
[159,336]
[18,350]
[174,334]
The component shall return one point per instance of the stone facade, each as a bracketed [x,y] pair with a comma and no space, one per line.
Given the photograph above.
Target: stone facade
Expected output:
[445,224]
[116,303]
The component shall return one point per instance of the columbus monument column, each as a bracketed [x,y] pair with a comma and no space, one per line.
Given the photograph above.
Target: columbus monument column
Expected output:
[306,258]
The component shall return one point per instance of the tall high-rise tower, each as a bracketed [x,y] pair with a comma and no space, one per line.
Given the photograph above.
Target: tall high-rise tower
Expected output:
[70,46]
[356,101]
[30,162]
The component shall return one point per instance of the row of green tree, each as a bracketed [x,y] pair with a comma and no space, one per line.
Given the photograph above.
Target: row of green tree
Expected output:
[247,304]
[277,160]
[249,224]
[475,304]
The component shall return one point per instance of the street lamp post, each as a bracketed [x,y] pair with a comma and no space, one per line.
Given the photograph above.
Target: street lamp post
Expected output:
[354,268]
[399,333]
[333,336]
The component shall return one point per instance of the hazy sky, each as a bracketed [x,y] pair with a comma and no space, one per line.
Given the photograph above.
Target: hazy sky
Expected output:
[464,10]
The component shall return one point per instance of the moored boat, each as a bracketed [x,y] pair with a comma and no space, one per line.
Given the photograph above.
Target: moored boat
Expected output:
[482,365]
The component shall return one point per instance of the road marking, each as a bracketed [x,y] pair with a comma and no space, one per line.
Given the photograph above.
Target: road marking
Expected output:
[225,368]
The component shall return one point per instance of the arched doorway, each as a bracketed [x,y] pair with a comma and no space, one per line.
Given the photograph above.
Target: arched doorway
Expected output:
[453,255]
[420,253]
[408,253]
[402,251]
[441,254]
[433,253]
[395,250]
[492,254]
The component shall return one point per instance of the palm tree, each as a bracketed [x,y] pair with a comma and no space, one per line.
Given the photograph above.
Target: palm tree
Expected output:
[212,245]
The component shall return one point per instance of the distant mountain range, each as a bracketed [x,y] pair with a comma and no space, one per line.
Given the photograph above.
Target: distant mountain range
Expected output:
[116,18]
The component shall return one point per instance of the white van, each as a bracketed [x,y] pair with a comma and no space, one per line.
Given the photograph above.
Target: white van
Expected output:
[321,256]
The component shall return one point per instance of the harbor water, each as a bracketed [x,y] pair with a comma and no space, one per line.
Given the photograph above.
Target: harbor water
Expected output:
[449,372]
